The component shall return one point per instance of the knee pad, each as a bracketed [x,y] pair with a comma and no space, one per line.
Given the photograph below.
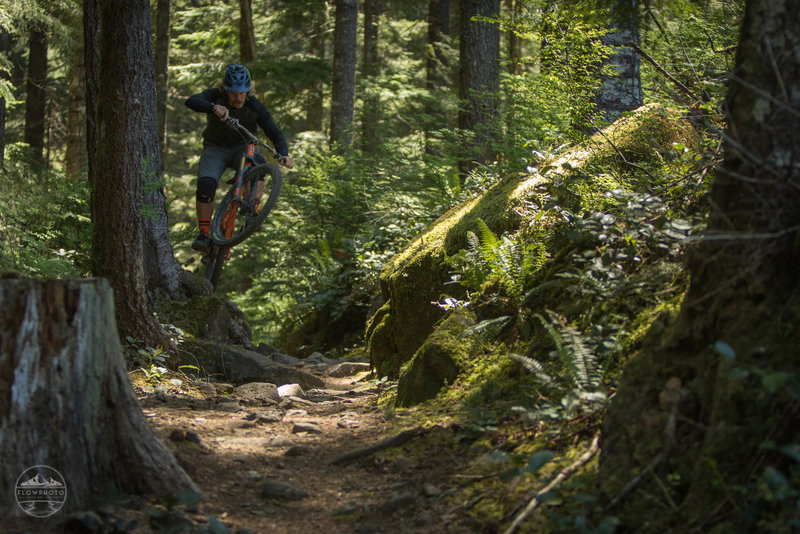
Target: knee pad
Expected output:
[206,188]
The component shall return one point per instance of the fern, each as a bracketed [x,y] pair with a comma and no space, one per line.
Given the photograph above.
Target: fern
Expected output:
[495,324]
[573,352]
[534,366]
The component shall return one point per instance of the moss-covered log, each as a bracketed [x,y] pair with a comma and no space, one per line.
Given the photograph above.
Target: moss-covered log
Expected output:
[415,277]
[66,401]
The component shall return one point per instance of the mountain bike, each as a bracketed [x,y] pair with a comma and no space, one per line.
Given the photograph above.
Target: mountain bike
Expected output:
[240,212]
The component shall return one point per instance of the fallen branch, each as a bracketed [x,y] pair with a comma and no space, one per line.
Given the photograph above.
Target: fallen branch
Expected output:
[563,475]
[387,443]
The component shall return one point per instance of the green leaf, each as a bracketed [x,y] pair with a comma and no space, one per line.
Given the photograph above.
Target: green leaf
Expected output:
[725,350]
[538,460]
[773,381]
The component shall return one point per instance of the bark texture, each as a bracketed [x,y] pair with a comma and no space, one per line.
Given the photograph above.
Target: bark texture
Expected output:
[36,100]
[679,411]
[621,91]
[162,74]
[4,75]
[65,398]
[344,72]
[247,38]
[127,155]
[480,79]
[77,158]
[372,103]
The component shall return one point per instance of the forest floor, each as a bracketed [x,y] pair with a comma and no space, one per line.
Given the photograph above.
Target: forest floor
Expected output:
[265,466]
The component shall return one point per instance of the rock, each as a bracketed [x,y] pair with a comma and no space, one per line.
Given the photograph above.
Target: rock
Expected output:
[275,489]
[240,366]
[317,358]
[296,413]
[297,450]
[347,509]
[228,405]
[429,490]
[398,502]
[348,423]
[253,475]
[279,441]
[266,416]
[348,369]
[177,435]
[210,318]
[438,361]
[291,390]
[308,427]
[258,391]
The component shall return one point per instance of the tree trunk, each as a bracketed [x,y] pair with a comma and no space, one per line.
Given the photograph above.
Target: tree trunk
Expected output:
[91,57]
[480,80]
[514,41]
[314,102]
[437,70]
[66,401]
[344,72]
[4,75]
[127,147]
[76,157]
[36,101]
[162,75]
[371,117]
[247,38]
[622,91]
[679,410]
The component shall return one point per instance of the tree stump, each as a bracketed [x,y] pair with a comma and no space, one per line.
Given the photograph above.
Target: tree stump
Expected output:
[66,401]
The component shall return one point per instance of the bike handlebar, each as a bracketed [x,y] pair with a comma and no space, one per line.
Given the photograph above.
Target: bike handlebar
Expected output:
[234,123]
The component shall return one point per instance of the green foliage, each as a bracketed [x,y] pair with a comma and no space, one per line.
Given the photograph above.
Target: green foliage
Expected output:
[507,261]
[45,229]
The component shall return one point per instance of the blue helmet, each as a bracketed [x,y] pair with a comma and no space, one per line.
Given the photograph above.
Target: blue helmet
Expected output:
[237,79]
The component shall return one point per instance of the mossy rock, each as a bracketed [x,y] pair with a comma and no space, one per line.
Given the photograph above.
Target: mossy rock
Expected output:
[438,362]
[237,365]
[415,277]
[210,318]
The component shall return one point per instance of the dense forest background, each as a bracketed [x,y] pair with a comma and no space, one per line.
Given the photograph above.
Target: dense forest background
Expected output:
[345,209]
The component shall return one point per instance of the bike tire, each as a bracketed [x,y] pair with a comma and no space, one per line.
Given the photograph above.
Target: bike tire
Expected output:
[247,226]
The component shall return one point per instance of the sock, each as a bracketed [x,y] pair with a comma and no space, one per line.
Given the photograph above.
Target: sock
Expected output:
[204,225]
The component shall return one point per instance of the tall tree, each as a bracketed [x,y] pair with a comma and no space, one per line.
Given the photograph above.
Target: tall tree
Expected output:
[621,89]
[514,40]
[162,73]
[480,79]
[127,148]
[344,72]
[247,37]
[91,67]
[680,406]
[437,70]
[4,76]
[77,156]
[36,100]
[371,69]
[316,48]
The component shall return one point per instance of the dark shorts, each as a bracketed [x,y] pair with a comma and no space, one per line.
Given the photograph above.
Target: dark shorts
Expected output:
[215,159]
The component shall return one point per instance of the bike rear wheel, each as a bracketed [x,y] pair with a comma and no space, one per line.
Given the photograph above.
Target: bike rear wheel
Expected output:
[245,224]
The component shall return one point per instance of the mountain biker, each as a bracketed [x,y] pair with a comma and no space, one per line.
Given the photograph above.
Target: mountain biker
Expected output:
[222,146]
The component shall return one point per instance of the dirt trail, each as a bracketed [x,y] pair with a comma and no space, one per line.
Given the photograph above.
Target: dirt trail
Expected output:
[233,450]
[263,465]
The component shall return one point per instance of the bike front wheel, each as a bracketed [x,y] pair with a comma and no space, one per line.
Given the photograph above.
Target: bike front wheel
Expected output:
[230,226]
